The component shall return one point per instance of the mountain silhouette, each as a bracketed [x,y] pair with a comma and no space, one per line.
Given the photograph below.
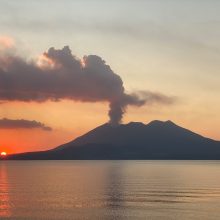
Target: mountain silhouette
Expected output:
[133,141]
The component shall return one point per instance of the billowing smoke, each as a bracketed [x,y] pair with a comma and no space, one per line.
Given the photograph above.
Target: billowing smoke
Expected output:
[58,74]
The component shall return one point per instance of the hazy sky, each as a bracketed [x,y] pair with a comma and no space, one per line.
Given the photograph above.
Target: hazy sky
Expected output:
[166,46]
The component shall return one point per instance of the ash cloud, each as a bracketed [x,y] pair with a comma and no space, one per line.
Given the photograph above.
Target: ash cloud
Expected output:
[6,123]
[58,74]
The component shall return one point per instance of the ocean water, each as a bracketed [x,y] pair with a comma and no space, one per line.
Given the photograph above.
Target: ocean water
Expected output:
[109,190]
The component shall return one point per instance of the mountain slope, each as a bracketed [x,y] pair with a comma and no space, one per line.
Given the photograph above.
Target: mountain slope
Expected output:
[156,140]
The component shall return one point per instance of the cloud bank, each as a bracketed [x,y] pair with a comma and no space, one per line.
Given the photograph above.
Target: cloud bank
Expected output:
[58,74]
[6,123]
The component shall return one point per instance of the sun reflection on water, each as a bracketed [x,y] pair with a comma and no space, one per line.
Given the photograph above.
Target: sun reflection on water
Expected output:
[5,209]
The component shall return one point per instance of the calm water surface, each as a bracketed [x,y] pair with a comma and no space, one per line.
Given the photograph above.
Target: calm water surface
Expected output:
[109,190]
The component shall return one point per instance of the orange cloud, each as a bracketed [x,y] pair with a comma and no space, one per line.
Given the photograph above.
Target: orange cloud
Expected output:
[6,42]
[45,62]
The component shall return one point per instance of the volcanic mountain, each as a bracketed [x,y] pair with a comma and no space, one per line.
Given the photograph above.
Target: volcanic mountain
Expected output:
[133,141]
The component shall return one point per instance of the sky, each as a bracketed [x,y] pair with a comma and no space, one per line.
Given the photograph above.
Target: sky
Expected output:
[165,52]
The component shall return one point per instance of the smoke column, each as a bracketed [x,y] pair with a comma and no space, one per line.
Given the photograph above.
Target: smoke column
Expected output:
[58,74]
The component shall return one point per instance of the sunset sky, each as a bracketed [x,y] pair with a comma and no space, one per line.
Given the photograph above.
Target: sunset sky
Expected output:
[169,50]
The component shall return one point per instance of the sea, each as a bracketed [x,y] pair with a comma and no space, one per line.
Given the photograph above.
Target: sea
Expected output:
[109,190]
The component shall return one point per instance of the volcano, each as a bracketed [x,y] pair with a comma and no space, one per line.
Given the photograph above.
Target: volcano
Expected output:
[157,140]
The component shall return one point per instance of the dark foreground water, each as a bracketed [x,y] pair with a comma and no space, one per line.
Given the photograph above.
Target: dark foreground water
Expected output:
[109,190]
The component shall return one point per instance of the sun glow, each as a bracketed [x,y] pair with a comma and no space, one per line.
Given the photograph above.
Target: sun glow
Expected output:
[3,154]
[44,61]
[6,42]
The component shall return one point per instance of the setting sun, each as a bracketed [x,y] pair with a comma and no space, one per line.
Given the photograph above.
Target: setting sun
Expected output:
[3,153]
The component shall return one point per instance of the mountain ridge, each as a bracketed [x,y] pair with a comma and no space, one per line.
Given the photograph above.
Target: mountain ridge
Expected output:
[135,140]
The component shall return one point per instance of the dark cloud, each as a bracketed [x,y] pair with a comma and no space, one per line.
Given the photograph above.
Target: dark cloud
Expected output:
[60,75]
[6,123]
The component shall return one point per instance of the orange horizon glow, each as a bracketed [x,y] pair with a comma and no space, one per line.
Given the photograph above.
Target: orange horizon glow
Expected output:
[70,120]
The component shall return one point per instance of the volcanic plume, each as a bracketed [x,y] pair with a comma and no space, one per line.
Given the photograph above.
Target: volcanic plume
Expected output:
[58,74]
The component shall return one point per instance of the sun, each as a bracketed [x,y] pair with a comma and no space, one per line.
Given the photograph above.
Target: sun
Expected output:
[3,153]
